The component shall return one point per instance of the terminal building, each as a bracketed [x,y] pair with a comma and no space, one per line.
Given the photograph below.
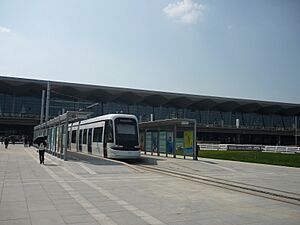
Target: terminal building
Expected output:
[219,120]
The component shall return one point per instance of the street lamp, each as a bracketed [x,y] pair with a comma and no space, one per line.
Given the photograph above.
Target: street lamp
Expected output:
[296,127]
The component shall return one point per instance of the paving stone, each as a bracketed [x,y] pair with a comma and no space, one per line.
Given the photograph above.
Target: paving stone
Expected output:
[40,205]
[79,219]
[67,205]
[16,222]
[9,214]
[46,218]
[72,211]
[125,218]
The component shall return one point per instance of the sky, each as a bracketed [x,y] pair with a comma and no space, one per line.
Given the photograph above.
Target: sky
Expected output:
[232,48]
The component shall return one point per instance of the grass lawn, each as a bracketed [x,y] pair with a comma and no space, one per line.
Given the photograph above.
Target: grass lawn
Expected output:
[292,160]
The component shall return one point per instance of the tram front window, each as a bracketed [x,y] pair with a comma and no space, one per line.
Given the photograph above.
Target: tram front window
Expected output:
[126,134]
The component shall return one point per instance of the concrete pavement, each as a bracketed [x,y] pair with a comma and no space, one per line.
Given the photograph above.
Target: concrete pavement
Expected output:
[270,176]
[97,191]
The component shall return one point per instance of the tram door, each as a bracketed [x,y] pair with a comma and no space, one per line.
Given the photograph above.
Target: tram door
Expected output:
[105,139]
[80,140]
[89,141]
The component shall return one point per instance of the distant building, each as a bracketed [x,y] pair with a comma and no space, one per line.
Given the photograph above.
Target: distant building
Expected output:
[220,120]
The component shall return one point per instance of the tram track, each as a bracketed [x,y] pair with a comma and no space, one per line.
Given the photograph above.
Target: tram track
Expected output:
[259,191]
[269,193]
[241,183]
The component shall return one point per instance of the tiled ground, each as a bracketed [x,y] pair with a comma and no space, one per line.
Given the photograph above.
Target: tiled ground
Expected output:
[102,192]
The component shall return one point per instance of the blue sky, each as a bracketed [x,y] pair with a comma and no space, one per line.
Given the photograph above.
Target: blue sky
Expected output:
[232,48]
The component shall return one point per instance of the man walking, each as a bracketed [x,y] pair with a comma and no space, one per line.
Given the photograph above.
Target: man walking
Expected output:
[42,147]
[6,141]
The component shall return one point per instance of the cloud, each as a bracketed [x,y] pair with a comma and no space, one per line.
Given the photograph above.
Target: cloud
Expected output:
[4,30]
[185,11]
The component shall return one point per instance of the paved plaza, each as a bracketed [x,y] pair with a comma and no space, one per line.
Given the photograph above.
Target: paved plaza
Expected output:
[275,177]
[97,191]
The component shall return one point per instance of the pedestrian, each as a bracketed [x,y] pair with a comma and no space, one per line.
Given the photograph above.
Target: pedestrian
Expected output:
[197,150]
[42,147]
[30,142]
[6,141]
[25,142]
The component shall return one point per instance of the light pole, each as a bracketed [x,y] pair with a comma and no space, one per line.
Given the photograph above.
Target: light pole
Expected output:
[296,133]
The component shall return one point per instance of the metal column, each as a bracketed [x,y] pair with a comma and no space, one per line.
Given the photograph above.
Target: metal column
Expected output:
[195,156]
[175,134]
[77,137]
[47,102]
[42,107]
[66,136]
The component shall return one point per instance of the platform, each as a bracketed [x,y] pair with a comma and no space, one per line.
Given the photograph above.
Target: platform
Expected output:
[92,191]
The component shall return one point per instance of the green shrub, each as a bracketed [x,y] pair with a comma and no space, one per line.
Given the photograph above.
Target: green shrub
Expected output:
[281,159]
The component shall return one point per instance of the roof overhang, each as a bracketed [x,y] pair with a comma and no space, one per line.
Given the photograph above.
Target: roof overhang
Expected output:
[94,93]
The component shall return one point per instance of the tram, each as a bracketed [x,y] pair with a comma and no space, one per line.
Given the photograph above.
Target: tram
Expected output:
[111,136]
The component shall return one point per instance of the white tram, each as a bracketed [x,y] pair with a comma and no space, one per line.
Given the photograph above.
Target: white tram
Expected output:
[111,136]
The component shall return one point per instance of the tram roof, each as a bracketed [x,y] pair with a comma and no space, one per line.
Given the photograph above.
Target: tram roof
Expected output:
[97,93]
[105,117]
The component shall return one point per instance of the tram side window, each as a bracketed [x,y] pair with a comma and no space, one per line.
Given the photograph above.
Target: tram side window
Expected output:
[98,134]
[84,136]
[73,138]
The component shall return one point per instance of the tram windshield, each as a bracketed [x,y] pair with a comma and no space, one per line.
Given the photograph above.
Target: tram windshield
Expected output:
[126,132]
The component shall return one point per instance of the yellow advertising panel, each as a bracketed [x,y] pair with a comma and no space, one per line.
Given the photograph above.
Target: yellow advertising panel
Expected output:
[188,139]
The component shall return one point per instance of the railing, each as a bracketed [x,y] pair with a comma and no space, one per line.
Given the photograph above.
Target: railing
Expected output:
[217,147]
[226,126]
[282,149]
[263,148]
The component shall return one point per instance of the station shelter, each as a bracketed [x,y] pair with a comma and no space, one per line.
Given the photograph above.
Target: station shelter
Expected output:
[169,137]
[55,131]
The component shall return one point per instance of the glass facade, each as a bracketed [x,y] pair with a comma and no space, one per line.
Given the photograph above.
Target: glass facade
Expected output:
[20,106]
[30,107]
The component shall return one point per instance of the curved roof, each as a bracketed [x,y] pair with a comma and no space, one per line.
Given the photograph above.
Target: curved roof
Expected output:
[95,93]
